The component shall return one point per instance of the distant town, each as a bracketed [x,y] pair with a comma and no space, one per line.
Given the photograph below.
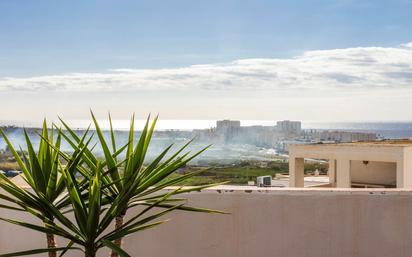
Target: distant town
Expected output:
[232,133]
[285,132]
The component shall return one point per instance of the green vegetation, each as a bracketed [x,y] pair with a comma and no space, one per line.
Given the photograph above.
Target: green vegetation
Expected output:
[240,174]
[9,165]
[98,194]
[7,161]
[40,171]
[312,166]
[237,175]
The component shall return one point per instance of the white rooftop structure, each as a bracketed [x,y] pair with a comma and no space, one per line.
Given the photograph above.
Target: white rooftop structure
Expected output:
[360,164]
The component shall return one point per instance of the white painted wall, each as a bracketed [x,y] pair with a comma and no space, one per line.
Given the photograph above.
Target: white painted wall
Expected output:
[373,172]
[271,222]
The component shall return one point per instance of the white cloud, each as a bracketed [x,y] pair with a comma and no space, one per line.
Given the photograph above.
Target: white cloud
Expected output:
[407,45]
[352,68]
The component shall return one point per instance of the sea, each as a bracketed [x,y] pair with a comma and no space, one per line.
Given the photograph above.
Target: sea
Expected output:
[389,130]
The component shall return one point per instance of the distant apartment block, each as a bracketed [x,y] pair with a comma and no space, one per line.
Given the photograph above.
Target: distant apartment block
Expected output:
[340,136]
[227,125]
[287,126]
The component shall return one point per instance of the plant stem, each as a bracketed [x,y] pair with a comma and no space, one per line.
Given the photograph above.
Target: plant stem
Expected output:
[51,243]
[118,242]
[51,240]
[90,253]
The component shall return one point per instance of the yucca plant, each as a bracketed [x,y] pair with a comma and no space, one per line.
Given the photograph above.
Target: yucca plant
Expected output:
[113,187]
[40,171]
[143,183]
[91,219]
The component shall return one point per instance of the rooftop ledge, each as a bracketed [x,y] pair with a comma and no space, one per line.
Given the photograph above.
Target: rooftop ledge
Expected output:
[378,143]
[246,190]
[232,189]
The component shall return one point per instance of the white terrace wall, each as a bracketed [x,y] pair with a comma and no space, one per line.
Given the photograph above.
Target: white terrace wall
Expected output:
[373,172]
[272,222]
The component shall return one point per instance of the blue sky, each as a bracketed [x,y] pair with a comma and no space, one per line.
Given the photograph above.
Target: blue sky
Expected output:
[342,60]
[46,37]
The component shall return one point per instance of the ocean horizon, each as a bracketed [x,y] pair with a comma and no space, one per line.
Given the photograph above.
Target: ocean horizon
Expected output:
[385,129]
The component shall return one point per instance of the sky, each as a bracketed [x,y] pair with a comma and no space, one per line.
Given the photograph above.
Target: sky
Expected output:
[314,60]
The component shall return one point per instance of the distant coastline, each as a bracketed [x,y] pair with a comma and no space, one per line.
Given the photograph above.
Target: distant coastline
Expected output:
[402,129]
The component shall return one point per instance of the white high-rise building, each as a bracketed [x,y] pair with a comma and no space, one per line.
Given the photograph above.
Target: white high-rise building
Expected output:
[287,126]
[227,125]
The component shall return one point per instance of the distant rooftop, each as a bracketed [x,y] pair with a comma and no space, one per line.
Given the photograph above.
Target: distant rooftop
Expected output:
[392,142]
